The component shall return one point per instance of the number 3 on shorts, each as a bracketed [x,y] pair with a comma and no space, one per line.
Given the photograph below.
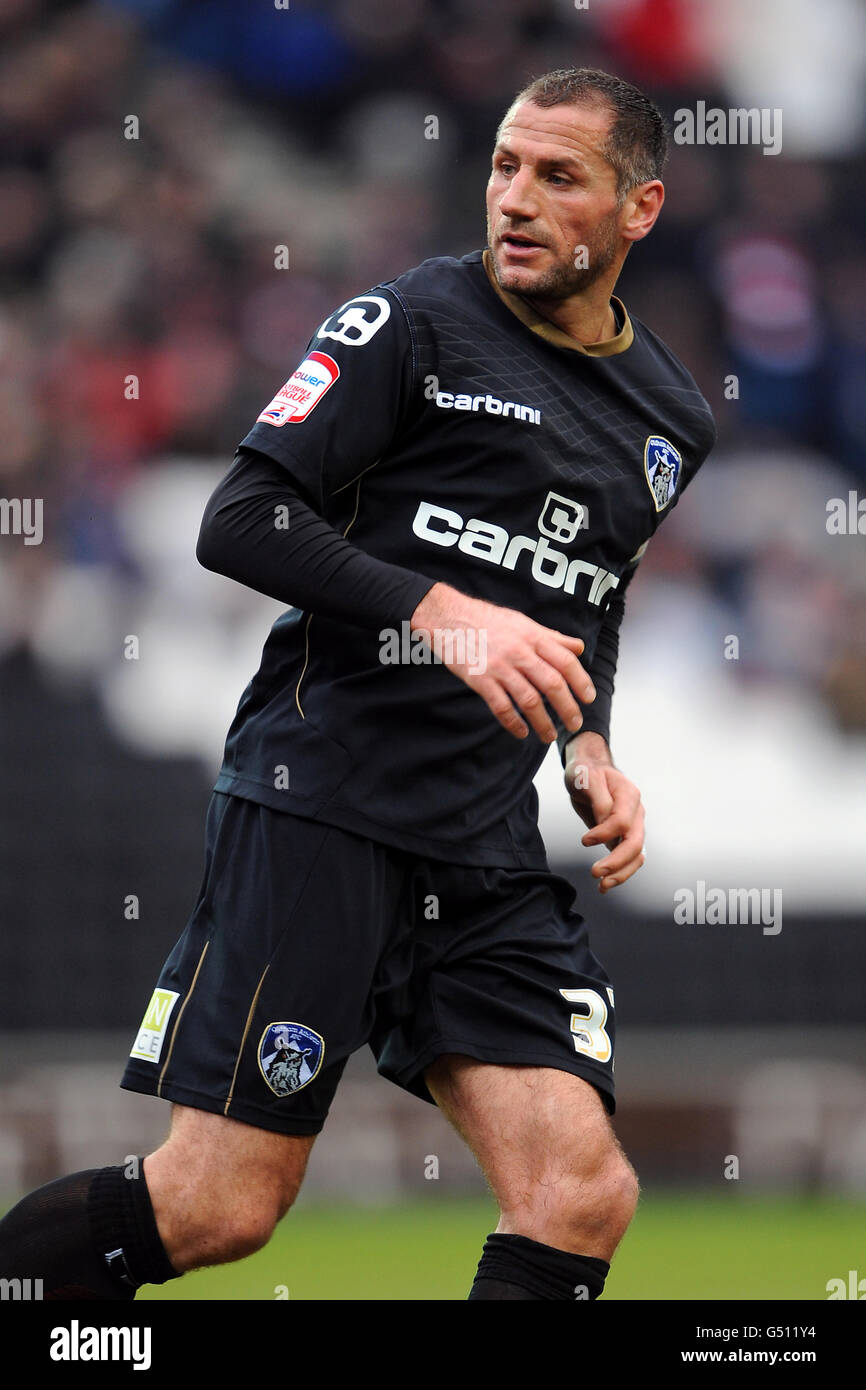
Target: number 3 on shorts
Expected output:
[587,1028]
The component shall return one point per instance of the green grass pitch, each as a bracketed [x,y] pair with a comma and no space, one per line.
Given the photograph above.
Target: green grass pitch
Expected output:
[679,1247]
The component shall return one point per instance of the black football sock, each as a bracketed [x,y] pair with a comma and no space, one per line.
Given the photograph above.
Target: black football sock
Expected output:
[92,1235]
[517,1267]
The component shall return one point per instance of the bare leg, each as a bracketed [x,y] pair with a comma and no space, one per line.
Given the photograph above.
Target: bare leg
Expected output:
[219,1187]
[545,1144]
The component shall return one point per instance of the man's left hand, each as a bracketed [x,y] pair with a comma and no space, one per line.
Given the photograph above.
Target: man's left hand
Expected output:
[610,805]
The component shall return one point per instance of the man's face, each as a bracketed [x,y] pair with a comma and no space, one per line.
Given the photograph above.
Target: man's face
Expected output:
[552,192]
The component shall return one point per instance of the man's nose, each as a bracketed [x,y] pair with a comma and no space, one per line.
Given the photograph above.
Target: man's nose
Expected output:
[520,198]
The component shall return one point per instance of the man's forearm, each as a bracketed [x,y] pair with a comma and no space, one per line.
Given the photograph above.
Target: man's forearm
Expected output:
[602,670]
[588,747]
[259,531]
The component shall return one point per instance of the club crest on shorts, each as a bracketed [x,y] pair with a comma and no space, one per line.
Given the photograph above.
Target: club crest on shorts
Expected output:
[662,465]
[290,1056]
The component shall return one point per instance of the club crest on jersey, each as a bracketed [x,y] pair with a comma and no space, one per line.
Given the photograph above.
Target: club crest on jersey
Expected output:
[290,1056]
[302,392]
[662,465]
[561,519]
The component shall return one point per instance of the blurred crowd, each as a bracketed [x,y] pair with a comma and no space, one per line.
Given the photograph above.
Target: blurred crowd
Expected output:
[155,154]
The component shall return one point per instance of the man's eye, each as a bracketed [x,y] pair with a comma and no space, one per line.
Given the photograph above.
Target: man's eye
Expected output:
[558,179]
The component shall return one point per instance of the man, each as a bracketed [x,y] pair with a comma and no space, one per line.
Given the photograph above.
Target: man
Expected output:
[469,463]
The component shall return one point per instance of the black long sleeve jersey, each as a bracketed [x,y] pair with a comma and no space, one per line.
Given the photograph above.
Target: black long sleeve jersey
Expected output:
[438,429]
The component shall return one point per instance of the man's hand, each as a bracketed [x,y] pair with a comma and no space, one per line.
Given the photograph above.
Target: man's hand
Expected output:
[524,662]
[610,805]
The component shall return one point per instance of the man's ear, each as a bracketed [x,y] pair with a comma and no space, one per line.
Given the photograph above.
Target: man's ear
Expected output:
[641,209]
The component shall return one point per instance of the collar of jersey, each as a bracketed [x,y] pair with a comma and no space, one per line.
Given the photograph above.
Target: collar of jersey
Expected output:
[608,347]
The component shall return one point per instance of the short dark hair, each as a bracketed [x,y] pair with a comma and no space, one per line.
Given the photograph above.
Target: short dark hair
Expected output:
[637,144]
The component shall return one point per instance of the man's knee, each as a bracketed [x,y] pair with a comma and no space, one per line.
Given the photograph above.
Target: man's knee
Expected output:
[621,1190]
[219,1187]
[581,1202]
[212,1237]
[545,1143]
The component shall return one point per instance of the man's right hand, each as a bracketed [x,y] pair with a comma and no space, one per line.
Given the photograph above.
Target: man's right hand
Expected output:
[526,663]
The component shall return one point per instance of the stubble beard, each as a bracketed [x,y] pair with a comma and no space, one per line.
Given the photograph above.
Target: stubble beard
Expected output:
[560,282]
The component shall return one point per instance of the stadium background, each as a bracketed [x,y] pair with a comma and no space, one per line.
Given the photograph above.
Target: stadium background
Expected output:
[153,258]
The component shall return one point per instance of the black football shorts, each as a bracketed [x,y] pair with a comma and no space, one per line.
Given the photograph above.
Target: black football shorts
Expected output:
[308,942]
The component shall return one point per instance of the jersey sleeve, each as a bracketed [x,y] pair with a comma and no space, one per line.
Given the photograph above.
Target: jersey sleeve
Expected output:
[602,671]
[345,401]
[305,563]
